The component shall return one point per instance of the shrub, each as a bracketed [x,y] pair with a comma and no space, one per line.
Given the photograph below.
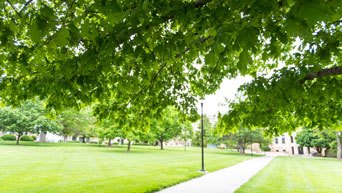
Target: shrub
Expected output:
[26,138]
[1,139]
[265,148]
[9,137]
[34,137]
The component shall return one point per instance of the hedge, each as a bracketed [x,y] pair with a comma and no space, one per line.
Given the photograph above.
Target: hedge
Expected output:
[26,138]
[9,137]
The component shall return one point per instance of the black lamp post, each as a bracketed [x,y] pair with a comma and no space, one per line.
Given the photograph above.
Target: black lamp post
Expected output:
[202,99]
[251,143]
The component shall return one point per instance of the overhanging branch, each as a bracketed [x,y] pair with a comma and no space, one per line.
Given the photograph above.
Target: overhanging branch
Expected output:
[337,70]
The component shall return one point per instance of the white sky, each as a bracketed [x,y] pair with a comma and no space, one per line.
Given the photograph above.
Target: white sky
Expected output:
[228,89]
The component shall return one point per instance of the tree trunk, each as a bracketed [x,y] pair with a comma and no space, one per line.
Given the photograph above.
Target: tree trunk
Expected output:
[161,143]
[65,139]
[319,150]
[110,143]
[241,150]
[339,145]
[18,139]
[83,139]
[308,150]
[42,137]
[184,146]
[129,146]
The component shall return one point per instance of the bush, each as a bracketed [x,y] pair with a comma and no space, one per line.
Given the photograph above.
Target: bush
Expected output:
[1,139]
[265,148]
[9,137]
[34,137]
[26,138]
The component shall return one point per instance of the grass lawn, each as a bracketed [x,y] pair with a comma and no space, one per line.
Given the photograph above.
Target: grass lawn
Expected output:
[34,167]
[293,174]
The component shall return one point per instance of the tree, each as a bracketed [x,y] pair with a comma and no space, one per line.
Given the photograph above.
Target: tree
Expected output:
[151,54]
[207,126]
[187,132]
[314,138]
[109,130]
[244,137]
[166,128]
[15,121]
[68,121]
[77,123]
[29,117]
[305,138]
[325,138]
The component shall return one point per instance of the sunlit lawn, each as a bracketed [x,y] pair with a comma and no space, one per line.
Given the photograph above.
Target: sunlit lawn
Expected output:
[33,167]
[293,174]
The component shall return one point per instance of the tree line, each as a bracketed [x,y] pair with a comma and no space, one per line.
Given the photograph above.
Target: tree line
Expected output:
[32,117]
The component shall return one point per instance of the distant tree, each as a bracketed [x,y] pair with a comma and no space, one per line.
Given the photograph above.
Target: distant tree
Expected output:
[187,132]
[15,121]
[68,121]
[29,117]
[313,137]
[305,137]
[244,137]
[84,124]
[108,129]
[167,127]
[213,137]
[197,138]
[132,135]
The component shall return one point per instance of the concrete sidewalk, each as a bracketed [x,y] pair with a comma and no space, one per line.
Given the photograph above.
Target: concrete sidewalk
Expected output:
[222,181]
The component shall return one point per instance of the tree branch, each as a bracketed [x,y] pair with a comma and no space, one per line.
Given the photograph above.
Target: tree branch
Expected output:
[337,70]
[26,4]
[14,8]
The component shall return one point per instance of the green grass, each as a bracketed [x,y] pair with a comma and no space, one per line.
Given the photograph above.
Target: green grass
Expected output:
[293,174]
[72,167]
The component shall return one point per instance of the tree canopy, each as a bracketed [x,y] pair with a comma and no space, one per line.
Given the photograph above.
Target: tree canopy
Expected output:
[244,137]
[151,54]
[30,117]
[315,138]
[167,127]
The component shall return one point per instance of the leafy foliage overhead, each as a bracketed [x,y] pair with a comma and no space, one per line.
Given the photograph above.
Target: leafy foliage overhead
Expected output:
[151,54]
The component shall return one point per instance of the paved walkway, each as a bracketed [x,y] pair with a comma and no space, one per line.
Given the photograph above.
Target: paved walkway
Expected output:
[225,180]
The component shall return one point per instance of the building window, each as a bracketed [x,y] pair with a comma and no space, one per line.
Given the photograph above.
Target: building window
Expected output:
[291,139]
[276,140]
[283,140]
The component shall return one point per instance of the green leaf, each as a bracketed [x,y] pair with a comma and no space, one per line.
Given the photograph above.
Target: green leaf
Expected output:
[62,37]
[244,60]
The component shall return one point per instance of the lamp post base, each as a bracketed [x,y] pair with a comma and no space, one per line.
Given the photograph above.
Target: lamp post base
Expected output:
[203,171]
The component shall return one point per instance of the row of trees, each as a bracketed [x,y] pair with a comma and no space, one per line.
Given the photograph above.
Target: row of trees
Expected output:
[31,117]
[171,125]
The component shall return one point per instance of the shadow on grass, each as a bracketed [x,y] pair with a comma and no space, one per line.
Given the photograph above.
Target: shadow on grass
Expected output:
[47,144]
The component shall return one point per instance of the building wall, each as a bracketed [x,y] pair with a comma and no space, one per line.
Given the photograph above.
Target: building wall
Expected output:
[286,143]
